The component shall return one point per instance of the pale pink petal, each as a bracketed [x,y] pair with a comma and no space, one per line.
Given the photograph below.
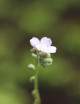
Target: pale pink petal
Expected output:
[46,41]
[41,47]
[38,46]
[34,41]
[50,49]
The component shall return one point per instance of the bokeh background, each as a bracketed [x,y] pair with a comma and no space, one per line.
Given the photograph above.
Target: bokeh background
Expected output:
[20,20]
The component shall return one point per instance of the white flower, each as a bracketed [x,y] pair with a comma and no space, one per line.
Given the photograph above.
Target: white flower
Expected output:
[43,45]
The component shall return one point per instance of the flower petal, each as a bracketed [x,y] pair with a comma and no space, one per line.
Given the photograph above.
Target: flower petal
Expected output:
[34,41]
[50,49]
[46,41]
[39,47]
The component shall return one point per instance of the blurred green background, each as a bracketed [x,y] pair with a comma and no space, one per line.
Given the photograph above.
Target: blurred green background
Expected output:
[20,20]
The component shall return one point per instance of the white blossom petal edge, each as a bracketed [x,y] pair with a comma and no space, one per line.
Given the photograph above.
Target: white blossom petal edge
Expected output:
[43,45]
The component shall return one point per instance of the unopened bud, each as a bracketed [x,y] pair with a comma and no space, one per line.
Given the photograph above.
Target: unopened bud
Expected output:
[49,60]
[34,93]
[42,54]
[45,55]
[32,79]
[31,67]
[33,50]
[48,55]
[45,62]
[34,55]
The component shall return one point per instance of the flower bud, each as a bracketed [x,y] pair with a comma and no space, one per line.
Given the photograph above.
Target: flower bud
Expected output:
[49,60]
[42,54]
[34,93]
[45,62]
[33,50]
[32,79]
[34,55]
[48,55]
[31,67]
[45,55]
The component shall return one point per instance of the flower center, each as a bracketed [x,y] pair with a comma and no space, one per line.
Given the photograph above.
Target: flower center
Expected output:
[41,48]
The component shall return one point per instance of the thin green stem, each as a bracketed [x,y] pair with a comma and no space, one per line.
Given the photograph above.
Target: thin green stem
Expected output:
[38,101]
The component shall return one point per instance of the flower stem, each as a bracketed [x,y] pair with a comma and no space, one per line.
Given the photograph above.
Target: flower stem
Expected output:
[37,96]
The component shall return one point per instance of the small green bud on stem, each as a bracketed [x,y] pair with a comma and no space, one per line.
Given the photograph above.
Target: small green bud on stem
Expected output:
[33,50]
[45,55]
[48,55]
[31,67]
[45,59]
[34,55]
[32,79]
[34,93]
[42,54]
[49,60]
